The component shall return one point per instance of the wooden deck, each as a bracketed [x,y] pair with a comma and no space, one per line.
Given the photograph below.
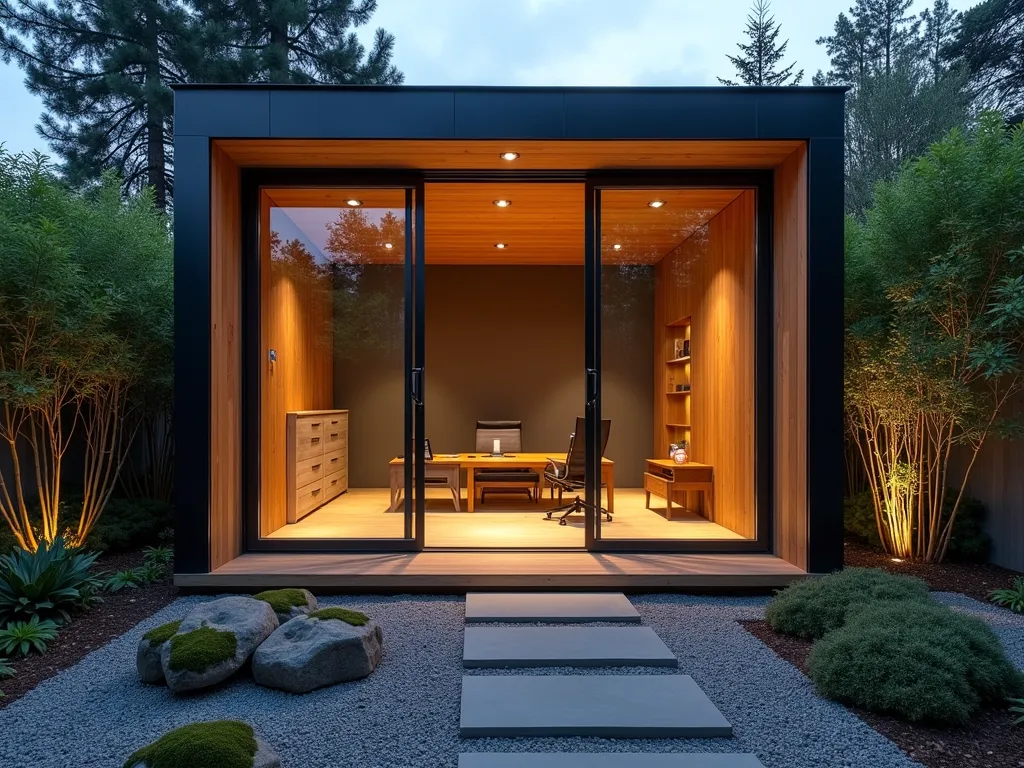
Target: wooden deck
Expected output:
[462,571]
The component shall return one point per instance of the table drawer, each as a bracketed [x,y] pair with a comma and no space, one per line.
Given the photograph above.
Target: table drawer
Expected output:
[684,473]
[656,485]
[335,484]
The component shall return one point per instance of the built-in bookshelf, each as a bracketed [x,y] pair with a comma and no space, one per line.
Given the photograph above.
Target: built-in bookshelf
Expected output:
[676,381]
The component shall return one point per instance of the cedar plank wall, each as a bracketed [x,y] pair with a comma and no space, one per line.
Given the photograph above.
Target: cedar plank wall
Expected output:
[225,361]
[297,319]
[710,278]
[791,510]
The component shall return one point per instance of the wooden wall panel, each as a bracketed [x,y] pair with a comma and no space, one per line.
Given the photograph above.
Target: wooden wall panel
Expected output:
[790,281]
[296,301]
[710,279]
[225,361]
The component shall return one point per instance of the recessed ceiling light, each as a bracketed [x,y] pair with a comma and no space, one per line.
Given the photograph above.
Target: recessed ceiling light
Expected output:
[656,203]
[617,247]
[389,246]
[501,245]
[353,202]
[503,203]
[509,156]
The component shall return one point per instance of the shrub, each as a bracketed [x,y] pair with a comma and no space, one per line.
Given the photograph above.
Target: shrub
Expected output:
[200,649]
[218,744]
[812,607]
[6,670]
[126,579]
[282,600]
[916,660]
[1011,597]
[355,618]
[163,633]
[968,543]
[52,583]
[20,638]
[159,555]
[1017,707]
[128,524]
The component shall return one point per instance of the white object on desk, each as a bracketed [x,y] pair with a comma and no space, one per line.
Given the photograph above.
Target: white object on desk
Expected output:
[497,447]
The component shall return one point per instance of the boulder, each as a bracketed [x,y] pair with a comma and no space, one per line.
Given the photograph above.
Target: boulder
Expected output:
[214,641]
[288,603]
[328,646]
[147,657]
[207,745]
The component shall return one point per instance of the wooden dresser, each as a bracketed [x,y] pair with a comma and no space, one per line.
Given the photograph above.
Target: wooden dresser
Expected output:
[317,459]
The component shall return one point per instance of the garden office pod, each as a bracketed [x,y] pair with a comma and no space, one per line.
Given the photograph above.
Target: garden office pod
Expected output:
[451,338]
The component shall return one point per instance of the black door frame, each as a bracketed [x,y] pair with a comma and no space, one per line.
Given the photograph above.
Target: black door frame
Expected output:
[762,182]
[253,180]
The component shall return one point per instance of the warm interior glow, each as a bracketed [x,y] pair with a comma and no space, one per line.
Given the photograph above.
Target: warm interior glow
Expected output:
[503,203]
[656,203]
[509,156]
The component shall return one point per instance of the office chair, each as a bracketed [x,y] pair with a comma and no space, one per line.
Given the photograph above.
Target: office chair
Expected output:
[510,433]
[570,475]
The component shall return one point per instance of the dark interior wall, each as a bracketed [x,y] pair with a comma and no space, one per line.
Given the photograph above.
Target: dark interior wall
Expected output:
[502,342]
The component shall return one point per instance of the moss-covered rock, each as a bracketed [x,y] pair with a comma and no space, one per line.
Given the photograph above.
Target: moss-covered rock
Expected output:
[217,744]
[214,641]
[147,656]
[288,603]
[355,618]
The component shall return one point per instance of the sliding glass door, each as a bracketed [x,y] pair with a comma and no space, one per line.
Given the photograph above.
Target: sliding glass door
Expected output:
[335,364]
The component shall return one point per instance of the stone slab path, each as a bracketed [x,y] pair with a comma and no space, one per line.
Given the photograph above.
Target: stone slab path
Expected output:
[549,607]
[612,706]
[518,647]
[606,760]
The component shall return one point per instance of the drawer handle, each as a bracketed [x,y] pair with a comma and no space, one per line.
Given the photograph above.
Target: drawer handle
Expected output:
[334,434]
[314,439]
[334,459]
[315,491]
[315,466]
[333,423]
[334,482]
[314,423]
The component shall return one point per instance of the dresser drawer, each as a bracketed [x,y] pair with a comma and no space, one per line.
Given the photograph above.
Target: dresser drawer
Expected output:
[308,498]
[336,461]
[335,438]
[310,425]
[309,471]
[335,484]
[308,447]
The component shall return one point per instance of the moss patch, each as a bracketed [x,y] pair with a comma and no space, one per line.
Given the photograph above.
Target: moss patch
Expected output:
[163,633]
[218,744]
[282,600]
[355,618]
[200,649]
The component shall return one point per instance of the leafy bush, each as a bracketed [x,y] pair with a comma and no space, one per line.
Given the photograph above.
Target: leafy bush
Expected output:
[218,744]
[126,579]
[917,660]
[1011,597]
[19,638]
[151,571]
[969,542]
[128,524]
[812,607]
[159,555]
[52,583]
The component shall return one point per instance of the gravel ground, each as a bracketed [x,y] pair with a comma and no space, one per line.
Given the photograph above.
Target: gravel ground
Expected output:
[1007,625]
[406,713]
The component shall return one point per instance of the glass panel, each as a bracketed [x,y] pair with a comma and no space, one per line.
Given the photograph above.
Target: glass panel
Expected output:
[677,303]
[333,383]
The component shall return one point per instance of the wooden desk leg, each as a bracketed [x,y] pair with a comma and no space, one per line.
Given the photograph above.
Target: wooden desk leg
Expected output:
[455,487]
[394,490]
[470,490]
[611,489]
[709,494]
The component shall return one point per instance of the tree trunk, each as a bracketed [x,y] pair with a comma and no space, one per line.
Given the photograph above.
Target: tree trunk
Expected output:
[156,156]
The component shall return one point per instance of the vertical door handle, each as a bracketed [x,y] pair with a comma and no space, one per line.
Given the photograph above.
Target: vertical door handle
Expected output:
[417,386]
[591,387]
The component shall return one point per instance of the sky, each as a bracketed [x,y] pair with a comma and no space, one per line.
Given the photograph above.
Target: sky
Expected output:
[546,42]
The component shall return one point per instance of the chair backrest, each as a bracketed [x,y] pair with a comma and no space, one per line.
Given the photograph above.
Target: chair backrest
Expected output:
[509,432]
[576,458]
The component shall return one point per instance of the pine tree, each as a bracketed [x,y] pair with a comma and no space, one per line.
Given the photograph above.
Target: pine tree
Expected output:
[757,64]
[989,44]
[940,29]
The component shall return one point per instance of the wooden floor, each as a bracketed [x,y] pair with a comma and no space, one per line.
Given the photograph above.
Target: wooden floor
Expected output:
[502,522]
[456,572]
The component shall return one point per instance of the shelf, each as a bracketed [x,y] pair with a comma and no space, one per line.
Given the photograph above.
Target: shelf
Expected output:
[686,392]
[678,426]
[678,360]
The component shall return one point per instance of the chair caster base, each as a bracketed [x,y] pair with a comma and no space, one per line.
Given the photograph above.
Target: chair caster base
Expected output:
[562,521]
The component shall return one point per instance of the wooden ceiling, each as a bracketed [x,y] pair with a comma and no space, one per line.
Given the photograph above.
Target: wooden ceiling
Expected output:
[543,225]
[485,155]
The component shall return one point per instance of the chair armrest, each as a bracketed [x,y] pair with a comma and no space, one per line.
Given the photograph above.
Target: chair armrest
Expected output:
[558,467]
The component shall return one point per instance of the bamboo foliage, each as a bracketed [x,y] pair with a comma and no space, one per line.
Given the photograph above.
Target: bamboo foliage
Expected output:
[935,329]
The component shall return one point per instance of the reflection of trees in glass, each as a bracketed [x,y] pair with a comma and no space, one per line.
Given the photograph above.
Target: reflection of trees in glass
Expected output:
[292,261]
[369,282]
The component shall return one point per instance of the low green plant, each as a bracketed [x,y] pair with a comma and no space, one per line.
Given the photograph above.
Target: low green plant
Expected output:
[217,744]
[1017,707]
[282,600]
[1010,597]
[355,618]
[163,633]
[150,572]
[19,638]
[813,607]
[53,582]
[6,670]
[916,660]
[200,649]
[160,555]
[126,579]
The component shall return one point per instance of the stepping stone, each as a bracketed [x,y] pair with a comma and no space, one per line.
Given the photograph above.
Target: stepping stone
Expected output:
[552,607]
[565,647]
[611,706]
[606,760]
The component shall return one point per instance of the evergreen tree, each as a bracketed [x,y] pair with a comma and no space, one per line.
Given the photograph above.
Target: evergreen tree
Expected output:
[990,44]
[760,57]
[940,29]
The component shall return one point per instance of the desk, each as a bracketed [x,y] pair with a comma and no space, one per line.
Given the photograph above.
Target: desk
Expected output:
[470,461]
[668,480]
[447,472]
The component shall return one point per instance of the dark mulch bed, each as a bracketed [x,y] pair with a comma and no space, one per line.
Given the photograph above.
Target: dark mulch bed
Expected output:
[990,741]
[972,579]
[118,613]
